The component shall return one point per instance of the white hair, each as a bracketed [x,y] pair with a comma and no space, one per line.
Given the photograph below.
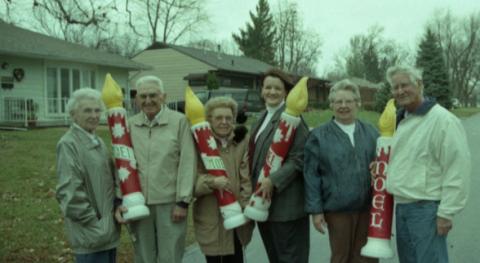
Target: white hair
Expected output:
[344,85]
[414,74]
[150,79]
[83,94]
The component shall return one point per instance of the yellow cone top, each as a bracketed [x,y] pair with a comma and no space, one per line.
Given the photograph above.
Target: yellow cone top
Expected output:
[112,93]
[387,121]
[194,109]
[297,99]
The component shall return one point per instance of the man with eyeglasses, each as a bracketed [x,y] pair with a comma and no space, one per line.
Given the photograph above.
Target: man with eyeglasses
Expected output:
[337,176]
[166,160]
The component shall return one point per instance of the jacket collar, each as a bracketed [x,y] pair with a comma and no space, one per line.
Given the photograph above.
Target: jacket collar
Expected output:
[423,109]
[160,119]
[275,118]
[89,140]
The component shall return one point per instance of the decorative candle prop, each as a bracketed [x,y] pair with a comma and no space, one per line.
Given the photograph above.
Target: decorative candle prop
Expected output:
[125,161]
[380,228]
[296,103]
[207,146]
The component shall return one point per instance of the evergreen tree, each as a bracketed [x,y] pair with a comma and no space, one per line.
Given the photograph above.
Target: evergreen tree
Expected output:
[370,61]
[382,96]
[258,39]
[212,82]
[435,75]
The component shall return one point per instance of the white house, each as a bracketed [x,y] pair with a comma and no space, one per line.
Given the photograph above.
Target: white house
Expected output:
[38,73]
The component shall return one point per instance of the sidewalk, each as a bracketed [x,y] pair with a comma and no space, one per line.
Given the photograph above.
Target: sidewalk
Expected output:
[255,252]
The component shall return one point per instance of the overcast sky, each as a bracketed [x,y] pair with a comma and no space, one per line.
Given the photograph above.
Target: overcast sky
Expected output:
[337,20]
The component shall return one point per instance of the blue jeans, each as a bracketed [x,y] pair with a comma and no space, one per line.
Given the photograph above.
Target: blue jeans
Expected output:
[417,238]
[106,256]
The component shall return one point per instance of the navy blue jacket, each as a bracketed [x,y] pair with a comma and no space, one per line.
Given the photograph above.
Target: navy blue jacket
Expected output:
[337,177]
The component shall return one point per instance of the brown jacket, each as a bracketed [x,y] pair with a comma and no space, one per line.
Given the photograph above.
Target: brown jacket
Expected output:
[212,237]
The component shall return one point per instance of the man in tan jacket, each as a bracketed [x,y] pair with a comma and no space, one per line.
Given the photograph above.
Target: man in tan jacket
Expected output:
[165,153]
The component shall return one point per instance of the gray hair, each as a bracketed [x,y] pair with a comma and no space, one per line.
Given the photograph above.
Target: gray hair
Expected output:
[83,94]
[346,85]
[414,74]
[152,80]
[221,102]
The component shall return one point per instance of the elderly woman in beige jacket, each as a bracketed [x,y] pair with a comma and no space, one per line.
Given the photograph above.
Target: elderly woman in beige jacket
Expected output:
[218,244]
[86,183]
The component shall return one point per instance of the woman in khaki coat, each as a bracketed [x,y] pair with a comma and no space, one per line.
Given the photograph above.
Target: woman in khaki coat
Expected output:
[218,244]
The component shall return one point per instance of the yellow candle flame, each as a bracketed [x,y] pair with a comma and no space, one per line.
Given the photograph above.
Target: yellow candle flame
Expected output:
[194,109]
[387,121]
[297,99]
[112,93]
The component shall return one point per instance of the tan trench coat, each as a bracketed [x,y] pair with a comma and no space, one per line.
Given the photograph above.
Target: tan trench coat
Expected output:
[212,237]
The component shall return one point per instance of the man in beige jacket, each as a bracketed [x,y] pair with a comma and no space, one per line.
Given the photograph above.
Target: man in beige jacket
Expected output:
[165,153]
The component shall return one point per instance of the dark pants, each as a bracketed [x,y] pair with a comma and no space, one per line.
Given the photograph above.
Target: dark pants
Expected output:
[235,258]
[106,256]
[286,241]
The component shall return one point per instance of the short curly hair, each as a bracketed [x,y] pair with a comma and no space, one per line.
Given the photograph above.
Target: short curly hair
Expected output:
[221,102]
[344,84]
[83,94]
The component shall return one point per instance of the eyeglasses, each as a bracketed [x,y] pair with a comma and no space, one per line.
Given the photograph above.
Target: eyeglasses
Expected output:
[341,102]
[144,96]
[227,119]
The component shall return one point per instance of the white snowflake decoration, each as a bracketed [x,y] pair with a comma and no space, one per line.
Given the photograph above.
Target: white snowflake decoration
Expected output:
[123,174]
[133,164]
[278,137]
[211,143]
[118,130]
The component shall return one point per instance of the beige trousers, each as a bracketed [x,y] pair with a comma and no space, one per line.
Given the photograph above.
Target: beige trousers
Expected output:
[157,238]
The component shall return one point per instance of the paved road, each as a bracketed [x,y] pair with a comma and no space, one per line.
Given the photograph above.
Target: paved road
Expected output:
[463,240]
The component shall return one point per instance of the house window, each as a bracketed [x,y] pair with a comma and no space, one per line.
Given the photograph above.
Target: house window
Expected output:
[226,82]
[7,82]
[62,82]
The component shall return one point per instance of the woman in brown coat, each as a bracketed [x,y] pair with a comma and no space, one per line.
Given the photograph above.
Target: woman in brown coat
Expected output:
[218,244]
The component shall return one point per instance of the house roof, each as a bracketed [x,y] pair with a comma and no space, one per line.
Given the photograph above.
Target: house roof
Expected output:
[219,60]
[363,83]
[17,41]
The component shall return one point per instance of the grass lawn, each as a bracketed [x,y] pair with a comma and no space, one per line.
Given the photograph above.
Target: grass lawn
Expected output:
[31,226]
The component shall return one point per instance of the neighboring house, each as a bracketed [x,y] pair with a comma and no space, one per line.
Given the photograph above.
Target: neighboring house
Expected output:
[38,74]
[367,92]
[179,67]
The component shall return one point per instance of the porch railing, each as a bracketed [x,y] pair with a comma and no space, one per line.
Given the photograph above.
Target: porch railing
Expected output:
[18,110]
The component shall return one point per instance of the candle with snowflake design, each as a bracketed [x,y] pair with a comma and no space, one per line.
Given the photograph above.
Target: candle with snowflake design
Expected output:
[229,207]
[125,161]
[296,103]
[381,213]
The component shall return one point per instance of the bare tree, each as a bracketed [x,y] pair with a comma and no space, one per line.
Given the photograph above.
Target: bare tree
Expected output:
[5,11]
[167,20]
[226,46]
[369,55]
[78,21]
[460,41]
[298,49]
